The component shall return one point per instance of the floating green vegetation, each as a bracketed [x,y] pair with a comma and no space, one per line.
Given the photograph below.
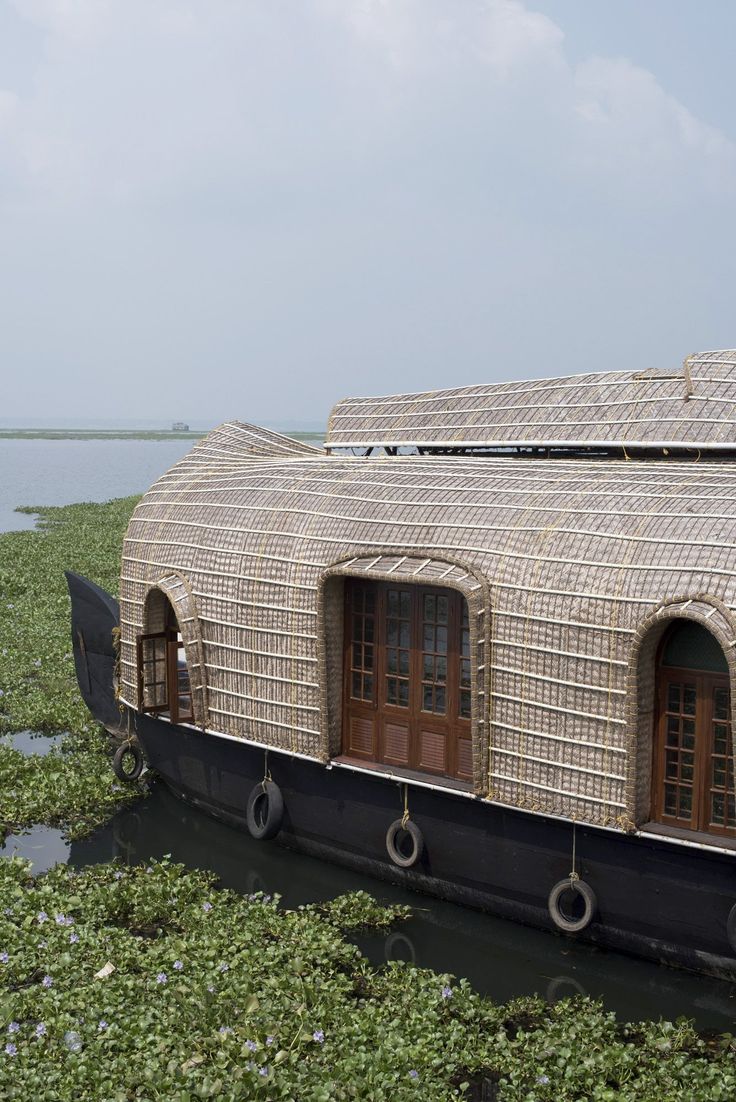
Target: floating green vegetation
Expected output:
[126,434]
[148,983]
[97,434]
[72,786]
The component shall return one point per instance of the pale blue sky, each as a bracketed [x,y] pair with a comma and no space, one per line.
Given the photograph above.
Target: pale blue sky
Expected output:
[214,209]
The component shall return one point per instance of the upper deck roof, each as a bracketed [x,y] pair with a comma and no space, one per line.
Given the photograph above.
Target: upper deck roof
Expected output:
[691,405]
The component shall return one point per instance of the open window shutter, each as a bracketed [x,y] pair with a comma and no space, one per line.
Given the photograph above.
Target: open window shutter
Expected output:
[153,694]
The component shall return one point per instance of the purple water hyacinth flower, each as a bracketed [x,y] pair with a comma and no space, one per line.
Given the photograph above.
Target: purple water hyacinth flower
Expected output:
[269,1040]
[43,945]
[206,906]
[413,1074]
[228,1029]
[41,1030]
[73,938]
[543,1080]
[11,1049]
[2,692]
[47,981]
[178,965]
[13,1027]
[224,967]
[251,1046]
[318,1036]
[102,1025]
[263,1070]
[4,958]
[42,917]
[118,875]
[60,920]
[447,992]
[162,978]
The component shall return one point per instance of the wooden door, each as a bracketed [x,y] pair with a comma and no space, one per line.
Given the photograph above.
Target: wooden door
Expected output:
[406,689]
[693,759]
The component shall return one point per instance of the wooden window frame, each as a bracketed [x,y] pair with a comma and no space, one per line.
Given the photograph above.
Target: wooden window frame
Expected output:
[447,729]
[705,682]
[171,638]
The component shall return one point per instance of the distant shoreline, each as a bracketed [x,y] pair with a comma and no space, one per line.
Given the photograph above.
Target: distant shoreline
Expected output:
[125,434]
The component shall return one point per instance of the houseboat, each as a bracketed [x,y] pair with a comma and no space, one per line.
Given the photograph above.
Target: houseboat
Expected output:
[480,644]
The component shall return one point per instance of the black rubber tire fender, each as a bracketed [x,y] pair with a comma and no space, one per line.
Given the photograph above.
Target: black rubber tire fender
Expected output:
[731,928]
[265,810]
[404,860]
[125,751]
[561,920]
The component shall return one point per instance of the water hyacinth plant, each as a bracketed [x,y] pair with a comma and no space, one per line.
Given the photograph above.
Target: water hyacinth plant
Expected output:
[73,786]
[298,1013]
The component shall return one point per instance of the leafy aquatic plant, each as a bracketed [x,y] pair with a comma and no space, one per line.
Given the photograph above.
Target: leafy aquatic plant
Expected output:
[149,983]
[73,786]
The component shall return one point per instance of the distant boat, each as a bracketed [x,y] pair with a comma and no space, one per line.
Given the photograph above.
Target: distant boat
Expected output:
[180,426]
[481,644]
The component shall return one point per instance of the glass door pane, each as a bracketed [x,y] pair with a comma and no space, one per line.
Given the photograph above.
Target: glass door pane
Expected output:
[721,803]
[435,622]
[679,751]
[398,647]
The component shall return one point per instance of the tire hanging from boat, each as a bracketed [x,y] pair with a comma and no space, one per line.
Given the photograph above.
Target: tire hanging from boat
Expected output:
[265,810]
[590,905]
[404,860]
[125,751]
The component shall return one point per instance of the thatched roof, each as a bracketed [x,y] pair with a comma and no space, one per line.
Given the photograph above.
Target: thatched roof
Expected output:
[692,405]
[565,564]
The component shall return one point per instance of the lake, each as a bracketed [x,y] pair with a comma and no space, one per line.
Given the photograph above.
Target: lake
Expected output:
[62,472]
[498,957]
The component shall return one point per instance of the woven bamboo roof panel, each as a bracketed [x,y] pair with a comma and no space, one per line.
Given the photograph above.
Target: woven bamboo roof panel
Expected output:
[573,557]
[692,405]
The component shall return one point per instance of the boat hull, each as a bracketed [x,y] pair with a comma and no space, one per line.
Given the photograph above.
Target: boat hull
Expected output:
[657,898]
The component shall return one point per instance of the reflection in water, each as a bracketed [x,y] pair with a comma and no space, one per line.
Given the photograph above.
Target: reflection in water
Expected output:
[31,742]
[498,957]
[43,846]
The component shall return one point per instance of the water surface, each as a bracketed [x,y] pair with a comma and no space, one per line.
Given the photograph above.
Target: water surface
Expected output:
[62,472]
[500,958]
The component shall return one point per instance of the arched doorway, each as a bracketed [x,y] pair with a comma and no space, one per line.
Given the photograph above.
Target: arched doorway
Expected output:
[693,777]
[163,676]
[407,677]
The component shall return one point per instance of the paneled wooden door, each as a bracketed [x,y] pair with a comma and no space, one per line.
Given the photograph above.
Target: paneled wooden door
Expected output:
[693,760]
[406,687]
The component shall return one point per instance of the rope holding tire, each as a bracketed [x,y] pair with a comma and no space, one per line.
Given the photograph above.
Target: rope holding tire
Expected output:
[393,838]
[265,810]
[566,922]
[124,753]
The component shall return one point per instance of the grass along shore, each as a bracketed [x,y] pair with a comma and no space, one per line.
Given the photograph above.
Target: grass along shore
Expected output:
[149,983]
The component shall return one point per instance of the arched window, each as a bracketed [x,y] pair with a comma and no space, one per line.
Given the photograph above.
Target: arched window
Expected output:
[693,750]
[163,677]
